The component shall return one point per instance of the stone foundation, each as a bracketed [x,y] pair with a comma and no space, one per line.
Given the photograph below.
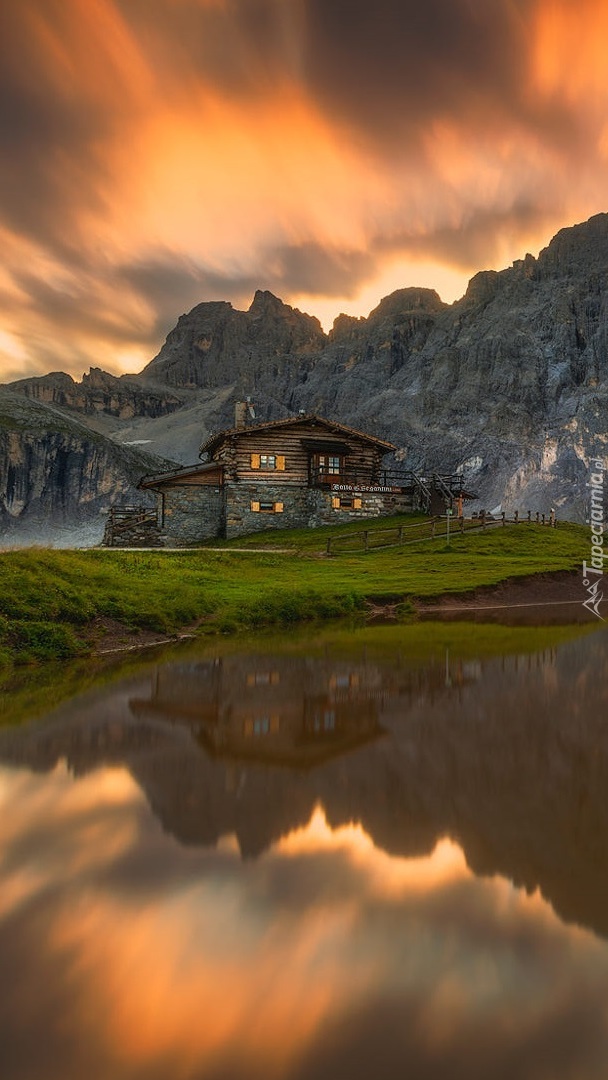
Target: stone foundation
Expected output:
[191,514]
[296,507]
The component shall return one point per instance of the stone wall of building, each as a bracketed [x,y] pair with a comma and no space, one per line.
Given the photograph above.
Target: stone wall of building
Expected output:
[191,514]
[294,507]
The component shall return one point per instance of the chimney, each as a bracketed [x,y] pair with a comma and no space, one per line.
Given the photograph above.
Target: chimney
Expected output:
[240,415]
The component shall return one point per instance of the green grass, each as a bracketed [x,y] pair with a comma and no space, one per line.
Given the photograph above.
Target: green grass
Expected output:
[48,598]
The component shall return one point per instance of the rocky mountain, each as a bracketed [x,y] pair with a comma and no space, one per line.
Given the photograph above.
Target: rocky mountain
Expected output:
[100,394]
[215,345]
[510,383]
[58,476]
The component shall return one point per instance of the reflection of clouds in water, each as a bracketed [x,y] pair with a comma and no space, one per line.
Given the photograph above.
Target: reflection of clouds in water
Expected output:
[211,965]
[55,830]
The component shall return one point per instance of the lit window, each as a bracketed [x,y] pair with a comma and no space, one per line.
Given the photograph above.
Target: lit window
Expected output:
[267,462]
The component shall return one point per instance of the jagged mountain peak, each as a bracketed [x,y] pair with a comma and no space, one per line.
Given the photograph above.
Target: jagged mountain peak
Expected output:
[266,303]
[578,249]
[214,345]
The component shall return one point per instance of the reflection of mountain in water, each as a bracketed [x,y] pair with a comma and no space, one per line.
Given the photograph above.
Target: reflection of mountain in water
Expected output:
[508,756]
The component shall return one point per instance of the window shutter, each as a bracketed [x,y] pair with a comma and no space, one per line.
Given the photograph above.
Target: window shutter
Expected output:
[281,462]
[278,508]
[356,504]
[255,506]
[335,502]
[255,463]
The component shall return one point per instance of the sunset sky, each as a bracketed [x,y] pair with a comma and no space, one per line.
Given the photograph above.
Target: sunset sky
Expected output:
[157,153]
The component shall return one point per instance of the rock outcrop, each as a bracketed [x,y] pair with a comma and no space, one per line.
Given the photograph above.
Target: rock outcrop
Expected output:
[269,348]
[99,394]
[55,472]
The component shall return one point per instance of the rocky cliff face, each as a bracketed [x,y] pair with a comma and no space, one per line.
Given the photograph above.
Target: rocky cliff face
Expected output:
[55,472]
[271,346]
[99,394]
[509,384]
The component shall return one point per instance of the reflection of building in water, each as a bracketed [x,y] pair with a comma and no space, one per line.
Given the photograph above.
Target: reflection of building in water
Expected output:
[278,709]
[290,710]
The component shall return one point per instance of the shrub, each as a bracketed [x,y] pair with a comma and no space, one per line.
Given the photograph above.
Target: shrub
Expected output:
[43,641]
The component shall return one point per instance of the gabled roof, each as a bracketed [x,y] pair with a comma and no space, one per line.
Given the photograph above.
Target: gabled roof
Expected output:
[331,426]
[152,481]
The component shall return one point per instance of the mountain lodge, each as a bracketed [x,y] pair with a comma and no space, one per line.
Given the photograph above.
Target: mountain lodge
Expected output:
[303,471]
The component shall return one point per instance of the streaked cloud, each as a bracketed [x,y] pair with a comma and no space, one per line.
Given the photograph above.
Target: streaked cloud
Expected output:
[157,153]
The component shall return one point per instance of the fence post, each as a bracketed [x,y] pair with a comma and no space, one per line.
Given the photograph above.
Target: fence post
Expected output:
[543,519]
[538,517]
[503,516]
[328,545]
[462,523]
[529,517]
[516,517]
[483,519]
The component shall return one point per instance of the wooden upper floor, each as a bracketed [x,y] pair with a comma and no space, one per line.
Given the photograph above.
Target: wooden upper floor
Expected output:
[303,450]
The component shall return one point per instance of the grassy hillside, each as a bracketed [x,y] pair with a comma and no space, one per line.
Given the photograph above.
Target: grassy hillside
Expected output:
[49,599]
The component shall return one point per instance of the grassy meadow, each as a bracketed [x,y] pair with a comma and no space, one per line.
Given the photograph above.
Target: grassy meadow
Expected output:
[50,599]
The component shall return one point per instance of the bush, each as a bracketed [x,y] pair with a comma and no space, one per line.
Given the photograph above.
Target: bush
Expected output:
[43,641]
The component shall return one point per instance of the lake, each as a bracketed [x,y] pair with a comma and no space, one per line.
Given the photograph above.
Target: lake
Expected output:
[360,854]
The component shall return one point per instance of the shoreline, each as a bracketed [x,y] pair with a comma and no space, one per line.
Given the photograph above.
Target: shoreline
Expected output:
[544,587]
[549,591]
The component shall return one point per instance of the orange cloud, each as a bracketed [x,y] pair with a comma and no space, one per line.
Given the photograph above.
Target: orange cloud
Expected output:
[225,146]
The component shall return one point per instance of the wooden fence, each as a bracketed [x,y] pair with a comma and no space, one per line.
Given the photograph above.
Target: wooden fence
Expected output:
[430,529]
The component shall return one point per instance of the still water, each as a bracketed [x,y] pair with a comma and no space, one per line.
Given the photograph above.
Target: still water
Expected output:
[377,856]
